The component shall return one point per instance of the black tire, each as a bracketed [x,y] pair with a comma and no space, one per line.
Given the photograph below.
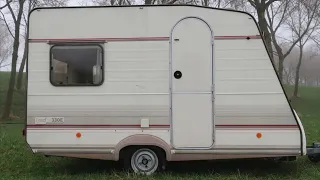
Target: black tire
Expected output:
[314,158]
[144,160]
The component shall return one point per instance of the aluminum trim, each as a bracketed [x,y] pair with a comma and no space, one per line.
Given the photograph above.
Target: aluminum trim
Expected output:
[192,93]
[294,151]
[91,151]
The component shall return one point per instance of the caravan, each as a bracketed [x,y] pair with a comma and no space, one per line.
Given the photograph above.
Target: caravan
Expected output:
[149,84]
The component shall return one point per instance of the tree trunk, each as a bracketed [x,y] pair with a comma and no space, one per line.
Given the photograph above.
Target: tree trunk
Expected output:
[9,96]
[206,3]
[264,28]
[23,62]
[147,2]
[280,69]
[24,57]
[280,56]
[296,81]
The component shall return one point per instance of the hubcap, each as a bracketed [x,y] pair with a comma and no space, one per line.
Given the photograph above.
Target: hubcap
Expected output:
[144,161]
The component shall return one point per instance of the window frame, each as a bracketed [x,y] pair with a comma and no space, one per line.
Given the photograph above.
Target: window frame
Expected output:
[76,44]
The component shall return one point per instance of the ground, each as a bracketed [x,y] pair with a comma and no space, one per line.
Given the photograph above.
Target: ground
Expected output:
[17,161]
[18,99]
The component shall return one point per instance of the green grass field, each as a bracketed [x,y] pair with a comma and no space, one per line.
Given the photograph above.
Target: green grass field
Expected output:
[18,162]
[18,99]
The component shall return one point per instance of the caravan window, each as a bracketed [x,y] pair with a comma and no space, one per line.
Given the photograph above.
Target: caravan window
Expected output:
[76,65]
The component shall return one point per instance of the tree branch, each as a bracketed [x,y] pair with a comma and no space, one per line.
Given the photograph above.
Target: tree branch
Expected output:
[4,6]
[12,13]
[1,66]
[270,24]
[270,2]
[301,35]
[8,27]
[252,3]
[172,1]
[129,3]
[285,8]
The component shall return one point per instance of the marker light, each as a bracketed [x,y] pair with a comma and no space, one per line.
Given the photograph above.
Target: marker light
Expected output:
[259,135]
[78,135]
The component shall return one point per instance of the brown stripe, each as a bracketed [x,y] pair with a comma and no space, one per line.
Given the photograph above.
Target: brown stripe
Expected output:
[237,37]
[95,125]
[157,126]
[257,126]
[101,39]
[135,39]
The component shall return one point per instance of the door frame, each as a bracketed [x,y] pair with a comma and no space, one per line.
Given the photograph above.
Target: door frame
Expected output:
[212,77]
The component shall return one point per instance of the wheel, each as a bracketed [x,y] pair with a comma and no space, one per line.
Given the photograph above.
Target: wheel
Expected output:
[314,159]
[143,161]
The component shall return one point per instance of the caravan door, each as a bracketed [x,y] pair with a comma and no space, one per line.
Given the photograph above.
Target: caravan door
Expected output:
[191,84]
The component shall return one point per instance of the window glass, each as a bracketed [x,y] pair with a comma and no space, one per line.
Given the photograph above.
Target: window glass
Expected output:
[73,65]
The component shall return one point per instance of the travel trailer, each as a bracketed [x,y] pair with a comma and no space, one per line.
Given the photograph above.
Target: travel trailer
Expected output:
[146,85]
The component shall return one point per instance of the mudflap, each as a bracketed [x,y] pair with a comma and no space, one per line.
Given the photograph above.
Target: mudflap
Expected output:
[313,152]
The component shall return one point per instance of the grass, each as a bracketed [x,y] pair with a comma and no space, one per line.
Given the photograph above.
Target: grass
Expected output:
[18,105]
[307,107]
[18,162]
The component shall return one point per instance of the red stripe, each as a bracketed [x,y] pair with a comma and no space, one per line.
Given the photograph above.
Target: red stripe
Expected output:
[137,38]
[238,37]
[103,39]
[95,125]
[257,125]
[157,125]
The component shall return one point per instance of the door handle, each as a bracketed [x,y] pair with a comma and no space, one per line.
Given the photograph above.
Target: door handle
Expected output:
[177,74]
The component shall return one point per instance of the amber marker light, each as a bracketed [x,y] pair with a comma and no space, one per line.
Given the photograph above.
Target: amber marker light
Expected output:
[78,135]
[259,135]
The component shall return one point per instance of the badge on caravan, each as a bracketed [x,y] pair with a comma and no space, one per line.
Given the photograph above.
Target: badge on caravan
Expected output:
[49,120]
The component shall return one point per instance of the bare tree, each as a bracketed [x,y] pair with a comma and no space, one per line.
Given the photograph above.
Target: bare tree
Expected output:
[290,64]
[257,8]
[24,57]
[48,3]
[309,69]
[17,20]
[112,2]
[214,3]
[221,3]
[5,49]
[279,15]
[261,7]
[6,3]
[316,38]
[303,23]
[32,4]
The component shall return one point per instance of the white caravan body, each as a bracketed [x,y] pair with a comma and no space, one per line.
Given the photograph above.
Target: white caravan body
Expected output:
[195,82]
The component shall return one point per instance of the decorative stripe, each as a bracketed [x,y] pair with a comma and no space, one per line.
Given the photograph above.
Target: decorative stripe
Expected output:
[87,151]
[102,39]
[110,94]
[135,39]
[93,94]
[250,93]
[70,146]
[237,37]
[160,125]
[257,126]
[96,125]
[276,151]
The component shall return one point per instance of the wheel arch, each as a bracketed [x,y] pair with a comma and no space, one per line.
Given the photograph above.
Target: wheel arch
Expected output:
[142,140]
